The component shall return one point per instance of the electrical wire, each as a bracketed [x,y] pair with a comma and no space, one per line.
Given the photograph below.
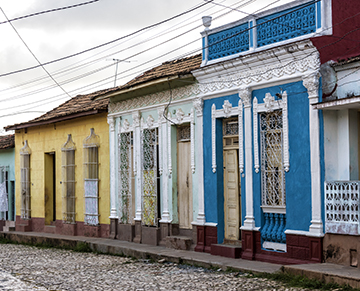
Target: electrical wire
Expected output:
[28,48]
[48,11]
[107,43]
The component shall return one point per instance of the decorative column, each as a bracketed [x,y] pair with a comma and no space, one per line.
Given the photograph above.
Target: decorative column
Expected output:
[311,83]
[199,175]
[113,213]
[138,174]
[249,223]
[163,149]
[247,229]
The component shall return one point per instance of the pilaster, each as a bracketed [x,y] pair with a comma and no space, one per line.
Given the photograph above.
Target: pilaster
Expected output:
[311,83]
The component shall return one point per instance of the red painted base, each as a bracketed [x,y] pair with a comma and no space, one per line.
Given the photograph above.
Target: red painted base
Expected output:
[206,236]
[228,251]
[37,224]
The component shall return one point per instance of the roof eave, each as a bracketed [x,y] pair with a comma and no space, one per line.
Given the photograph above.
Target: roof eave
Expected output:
[54,120]
[142,86]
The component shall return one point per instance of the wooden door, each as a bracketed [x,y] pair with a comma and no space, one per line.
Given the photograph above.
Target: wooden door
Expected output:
[184,185]
[50,195]
[231,193]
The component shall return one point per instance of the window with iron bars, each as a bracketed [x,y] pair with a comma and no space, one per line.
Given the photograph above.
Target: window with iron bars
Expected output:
[91,178]
[272,170]
[68,180]
[25,153]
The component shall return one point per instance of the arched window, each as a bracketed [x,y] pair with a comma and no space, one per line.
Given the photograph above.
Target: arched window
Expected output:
[25,153]
[68,180]
[91,178]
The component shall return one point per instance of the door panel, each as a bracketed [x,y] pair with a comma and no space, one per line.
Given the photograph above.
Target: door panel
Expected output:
[184,185]
[50,197]
[231,195]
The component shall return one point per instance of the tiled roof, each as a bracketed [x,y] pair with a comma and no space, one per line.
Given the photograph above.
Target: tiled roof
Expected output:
[177,67]
[74,106]
[346,61]
[7,141]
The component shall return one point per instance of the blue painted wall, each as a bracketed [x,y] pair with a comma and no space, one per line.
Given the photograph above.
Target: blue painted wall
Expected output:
[214,182]
[298,179]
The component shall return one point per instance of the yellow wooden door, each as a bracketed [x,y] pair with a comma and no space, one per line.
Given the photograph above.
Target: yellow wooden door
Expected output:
[184,185]
[231,193]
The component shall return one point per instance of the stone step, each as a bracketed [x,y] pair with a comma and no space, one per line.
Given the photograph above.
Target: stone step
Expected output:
[49,228]
[23,227]
[178,242]
[225,250]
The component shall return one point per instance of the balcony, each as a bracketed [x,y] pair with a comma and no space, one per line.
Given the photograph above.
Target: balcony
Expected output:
[342,207]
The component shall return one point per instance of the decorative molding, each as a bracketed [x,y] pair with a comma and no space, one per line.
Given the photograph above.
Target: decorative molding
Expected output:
[179,115]
[311,83]
[169,144]
[255,129]
[150,121]
[285,132]
[136,118]
[198,105]
[111,122]
[213,137]
[269,102]
[241,137]
[244,76]
[192,140]
[161,118]
[245,96]
[126,125]
[227,108]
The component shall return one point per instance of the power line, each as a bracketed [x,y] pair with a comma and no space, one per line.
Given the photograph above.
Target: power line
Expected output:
[107,43]
[34,54]
[48,11]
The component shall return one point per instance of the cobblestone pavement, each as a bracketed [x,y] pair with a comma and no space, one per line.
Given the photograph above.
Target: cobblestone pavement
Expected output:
[30,268]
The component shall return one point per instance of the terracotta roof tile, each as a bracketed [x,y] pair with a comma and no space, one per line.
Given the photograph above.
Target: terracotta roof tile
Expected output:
[177,67]
[342,62]
[78,104]
[7,141]
[182,66]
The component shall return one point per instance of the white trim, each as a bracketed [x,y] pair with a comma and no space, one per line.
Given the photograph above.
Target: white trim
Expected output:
[213,137]
[255,129]
[113,139]
[192,139]
[211,224]
[274,209]
[241,137]
[274,246]
[169,145]
[311,83]
[160,134]
[286,161]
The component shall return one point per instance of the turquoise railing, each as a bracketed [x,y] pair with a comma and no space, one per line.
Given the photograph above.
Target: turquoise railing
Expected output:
[274,228]
[257,32]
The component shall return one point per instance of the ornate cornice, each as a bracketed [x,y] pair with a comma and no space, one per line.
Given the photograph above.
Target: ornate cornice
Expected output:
[111,122]
[311,83]
[245,96]
[243,77]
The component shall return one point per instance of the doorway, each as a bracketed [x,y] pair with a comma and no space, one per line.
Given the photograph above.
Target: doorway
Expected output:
[232,195]
[184,177]
[50,193]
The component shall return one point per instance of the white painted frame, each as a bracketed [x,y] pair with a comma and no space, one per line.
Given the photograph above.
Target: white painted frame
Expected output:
[226,112]
[270,104]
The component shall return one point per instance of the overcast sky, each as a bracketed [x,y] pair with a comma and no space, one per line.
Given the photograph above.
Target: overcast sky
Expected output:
[50,36]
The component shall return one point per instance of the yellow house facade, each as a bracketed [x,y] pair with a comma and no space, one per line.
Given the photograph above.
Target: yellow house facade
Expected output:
[62,170]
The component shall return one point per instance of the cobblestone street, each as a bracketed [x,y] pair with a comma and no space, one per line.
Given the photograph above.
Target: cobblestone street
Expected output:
[30,268]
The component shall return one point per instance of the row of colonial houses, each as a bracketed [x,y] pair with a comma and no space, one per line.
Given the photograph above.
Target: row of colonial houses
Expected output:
[249,149]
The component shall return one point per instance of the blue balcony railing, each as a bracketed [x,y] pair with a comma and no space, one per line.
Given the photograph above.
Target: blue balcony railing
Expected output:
[258,32]
[274,228]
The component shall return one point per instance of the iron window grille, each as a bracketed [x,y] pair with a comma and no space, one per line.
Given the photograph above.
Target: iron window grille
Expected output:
[91,178]
[25,153]
[68,180]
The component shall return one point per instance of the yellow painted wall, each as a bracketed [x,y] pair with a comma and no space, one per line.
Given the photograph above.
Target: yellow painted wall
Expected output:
[50,138]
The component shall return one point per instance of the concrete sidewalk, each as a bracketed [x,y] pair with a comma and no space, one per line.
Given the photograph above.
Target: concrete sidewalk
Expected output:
[323,272]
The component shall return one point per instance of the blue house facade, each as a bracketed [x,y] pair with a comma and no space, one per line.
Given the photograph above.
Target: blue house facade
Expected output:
[262,138]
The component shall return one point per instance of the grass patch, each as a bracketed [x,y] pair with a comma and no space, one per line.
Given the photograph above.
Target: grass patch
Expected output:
[82,247]
[301,281]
